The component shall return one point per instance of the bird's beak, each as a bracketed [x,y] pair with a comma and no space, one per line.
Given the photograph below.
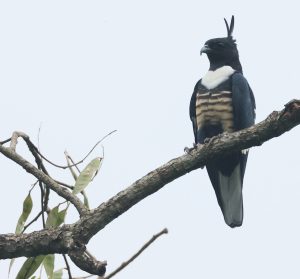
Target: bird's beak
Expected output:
[205,49]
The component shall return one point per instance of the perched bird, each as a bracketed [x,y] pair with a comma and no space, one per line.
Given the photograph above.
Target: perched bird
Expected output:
[223,102]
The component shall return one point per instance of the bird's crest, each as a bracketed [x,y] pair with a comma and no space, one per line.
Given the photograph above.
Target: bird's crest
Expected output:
[229,29]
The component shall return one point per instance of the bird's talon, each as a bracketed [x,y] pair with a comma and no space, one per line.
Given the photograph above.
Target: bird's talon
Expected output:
[188,150]
[207,140]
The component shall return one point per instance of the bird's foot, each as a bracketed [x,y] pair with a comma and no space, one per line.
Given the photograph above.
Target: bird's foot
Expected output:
[188,150]
[207,140]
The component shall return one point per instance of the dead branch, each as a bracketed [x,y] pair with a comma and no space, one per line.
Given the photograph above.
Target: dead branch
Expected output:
[144,247]
[67,266]
[274,125]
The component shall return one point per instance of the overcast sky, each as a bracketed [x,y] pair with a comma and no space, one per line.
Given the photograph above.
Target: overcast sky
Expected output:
[84,68]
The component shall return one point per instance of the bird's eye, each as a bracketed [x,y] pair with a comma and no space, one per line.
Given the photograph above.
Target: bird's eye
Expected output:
[220,44]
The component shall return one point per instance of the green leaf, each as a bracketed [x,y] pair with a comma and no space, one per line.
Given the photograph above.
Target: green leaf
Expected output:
[52,218]
[48,263]
[55,217]
[29,267]
[10,265]
[61,216]
[87,175]
[58,274]
[27,207]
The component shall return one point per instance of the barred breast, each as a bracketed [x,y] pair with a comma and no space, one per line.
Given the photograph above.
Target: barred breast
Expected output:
[215,109]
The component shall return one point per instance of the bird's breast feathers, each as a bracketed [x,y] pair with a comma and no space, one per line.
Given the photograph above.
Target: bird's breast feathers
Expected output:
[214,108]
[212,79]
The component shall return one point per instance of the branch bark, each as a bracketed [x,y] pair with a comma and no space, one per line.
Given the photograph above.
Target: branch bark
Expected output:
[274,125]
[64,239]
[48,241]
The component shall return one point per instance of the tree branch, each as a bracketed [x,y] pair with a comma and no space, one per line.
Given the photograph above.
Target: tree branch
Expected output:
[274,125]
[48,241]
[46,179]
[140,251]
[85,262]
[67,266]
[63,239]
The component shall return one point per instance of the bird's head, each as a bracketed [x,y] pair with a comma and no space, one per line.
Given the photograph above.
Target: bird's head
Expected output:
[222,51]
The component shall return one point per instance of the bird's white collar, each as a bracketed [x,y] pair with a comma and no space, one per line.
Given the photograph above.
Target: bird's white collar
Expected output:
[214,78]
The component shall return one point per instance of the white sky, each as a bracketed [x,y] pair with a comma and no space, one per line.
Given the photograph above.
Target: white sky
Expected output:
[85,68]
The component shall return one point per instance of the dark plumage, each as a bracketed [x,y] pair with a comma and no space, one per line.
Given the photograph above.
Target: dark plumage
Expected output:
[223,102]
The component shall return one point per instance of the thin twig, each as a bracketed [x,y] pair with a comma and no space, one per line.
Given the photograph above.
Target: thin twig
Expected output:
[46,198]
[96,145]
[64,184]
[5,141]
[124,264]
[70,187]
[67,266]
[79,162]
[32,186]
[63,203]
[38,136]
[71,162]
[42,203]
[41,166]
[32,221]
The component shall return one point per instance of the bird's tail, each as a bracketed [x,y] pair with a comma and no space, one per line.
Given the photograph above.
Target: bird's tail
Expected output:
[228,187]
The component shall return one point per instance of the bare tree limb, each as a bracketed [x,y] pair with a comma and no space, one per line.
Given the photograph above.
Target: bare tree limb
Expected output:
[67,266]
[275,125]
[86,263]
[32,221]
[44,242]
[11,154]
[43,209]
[71,239]
[5,141]
[79,162]
[145,246]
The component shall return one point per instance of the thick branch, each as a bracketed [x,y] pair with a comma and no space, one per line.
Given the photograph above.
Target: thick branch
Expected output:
[87,263]
[275,125]
[42,242]
[61,240]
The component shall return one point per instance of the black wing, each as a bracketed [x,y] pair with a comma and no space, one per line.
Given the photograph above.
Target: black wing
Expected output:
[243,102]
[193,110]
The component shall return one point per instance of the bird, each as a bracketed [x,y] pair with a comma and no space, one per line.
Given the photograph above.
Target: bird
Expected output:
[223,102]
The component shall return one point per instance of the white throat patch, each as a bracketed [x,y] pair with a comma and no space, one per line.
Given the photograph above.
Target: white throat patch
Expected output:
[214,78]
